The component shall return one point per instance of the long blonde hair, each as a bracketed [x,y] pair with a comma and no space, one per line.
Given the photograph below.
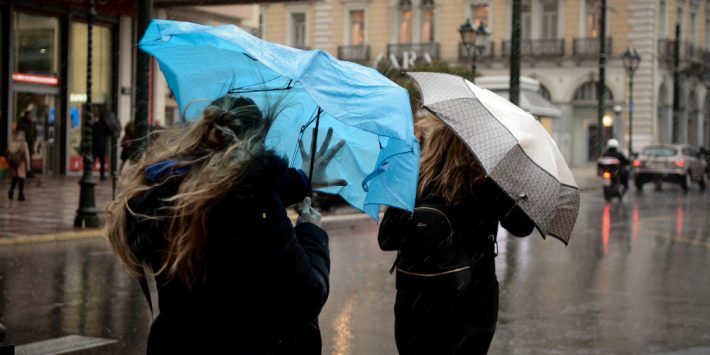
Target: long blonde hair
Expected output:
[218,150]
[448,168]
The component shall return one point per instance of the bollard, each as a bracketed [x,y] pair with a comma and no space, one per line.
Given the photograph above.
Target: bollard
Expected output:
[5,349]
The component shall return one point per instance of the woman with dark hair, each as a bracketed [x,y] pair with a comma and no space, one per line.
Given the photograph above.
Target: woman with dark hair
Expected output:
[447,290]
[203,213]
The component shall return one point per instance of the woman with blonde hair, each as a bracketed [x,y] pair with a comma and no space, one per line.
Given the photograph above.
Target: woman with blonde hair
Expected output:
[203,213]
[447,291]
[18,153]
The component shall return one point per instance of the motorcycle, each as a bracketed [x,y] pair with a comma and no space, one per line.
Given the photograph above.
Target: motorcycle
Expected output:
[609,169]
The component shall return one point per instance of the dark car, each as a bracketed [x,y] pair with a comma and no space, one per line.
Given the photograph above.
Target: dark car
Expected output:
[681,164]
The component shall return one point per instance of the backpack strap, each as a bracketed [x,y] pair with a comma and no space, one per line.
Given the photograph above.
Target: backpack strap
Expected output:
[149,287]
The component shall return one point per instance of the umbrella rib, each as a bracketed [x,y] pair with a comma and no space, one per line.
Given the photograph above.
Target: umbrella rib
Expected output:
[242,90]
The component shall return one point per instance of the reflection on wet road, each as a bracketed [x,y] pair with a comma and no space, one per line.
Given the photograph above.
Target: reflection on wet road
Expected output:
[634,279]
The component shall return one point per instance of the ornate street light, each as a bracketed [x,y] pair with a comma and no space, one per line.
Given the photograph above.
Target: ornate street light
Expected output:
[631,60]
[475,41]
[86,214]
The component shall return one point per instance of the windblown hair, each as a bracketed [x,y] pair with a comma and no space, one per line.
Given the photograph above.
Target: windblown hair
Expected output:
[218,150]
[448,168]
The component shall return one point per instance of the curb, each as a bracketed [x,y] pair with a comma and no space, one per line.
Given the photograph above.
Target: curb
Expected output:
[53,237]
[97,233]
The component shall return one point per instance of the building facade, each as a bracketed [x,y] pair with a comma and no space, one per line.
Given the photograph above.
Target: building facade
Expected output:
[43,56]
[560,45]
[43,68]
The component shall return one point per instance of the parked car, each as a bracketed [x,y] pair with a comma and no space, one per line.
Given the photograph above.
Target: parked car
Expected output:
[676,163]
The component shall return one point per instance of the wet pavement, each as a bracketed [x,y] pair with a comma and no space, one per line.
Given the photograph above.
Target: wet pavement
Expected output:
[634,280]
[50,207]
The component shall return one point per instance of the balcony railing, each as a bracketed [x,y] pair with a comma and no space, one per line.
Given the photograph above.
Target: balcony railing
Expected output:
[694,55]
[588,48]
[466,56]
[689,54]
[666,50]
[354,53]
[537,48]
[421,50]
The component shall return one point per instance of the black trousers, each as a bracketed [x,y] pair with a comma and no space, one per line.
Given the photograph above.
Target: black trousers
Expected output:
[447,322]
[100,154]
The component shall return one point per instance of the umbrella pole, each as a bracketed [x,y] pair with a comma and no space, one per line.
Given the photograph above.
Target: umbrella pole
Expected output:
[313,151]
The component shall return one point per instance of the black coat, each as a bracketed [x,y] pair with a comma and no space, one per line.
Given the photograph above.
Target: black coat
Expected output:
[614,153]
[99,133]
[266,280]
[437,315]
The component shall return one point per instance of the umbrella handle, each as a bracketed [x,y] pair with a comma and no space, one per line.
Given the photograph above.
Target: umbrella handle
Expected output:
[313,152]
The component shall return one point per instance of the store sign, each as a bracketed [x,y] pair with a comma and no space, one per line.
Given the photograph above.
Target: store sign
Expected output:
[35,79]
[406,60]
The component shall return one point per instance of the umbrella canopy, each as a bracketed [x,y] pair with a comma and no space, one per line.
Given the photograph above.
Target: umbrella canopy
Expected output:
[513,148]
[380,159]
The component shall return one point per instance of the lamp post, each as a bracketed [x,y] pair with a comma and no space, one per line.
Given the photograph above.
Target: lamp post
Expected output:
[86,215]
[631,60]
[475,40]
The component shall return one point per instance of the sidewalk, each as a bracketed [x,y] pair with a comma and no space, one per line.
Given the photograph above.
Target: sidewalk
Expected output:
[48,214]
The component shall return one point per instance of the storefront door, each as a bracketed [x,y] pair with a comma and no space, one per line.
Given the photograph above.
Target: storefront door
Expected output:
[44,135]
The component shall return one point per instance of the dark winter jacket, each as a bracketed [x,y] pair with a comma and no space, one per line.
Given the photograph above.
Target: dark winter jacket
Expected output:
[99,133]
[455,311]
[615,153]
[266,280]
[474,223]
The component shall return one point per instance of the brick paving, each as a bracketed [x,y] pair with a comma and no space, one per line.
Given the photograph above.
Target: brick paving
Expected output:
[52,201]
[50,207]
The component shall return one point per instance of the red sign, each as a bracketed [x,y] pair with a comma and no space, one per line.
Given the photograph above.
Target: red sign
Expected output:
[35,79]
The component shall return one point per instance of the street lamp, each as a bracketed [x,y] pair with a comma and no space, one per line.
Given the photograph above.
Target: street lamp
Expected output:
[475,40]
[631,60]
[86,214]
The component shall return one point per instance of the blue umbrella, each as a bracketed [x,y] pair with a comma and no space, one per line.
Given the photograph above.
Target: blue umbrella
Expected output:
[380,159]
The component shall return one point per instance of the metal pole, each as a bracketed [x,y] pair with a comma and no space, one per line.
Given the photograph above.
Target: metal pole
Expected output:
[474,58]
[145,8]
[601,85]
[675,138]
[514,93]
[631,114]
[86,214]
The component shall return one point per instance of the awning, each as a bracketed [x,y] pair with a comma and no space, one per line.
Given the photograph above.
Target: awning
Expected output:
[530,99]
[534,103]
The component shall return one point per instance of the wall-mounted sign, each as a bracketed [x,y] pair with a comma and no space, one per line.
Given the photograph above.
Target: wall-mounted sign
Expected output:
[35,79]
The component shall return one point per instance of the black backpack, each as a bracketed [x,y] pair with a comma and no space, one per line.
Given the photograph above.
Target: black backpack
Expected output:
[433,250]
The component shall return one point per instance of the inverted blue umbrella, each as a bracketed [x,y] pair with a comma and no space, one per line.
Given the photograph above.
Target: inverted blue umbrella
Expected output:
[380,158]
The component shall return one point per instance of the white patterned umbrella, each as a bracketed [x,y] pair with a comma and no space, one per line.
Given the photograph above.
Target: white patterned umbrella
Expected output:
[512,146]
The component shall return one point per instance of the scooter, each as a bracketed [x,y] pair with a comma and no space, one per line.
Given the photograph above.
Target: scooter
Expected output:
[609,169]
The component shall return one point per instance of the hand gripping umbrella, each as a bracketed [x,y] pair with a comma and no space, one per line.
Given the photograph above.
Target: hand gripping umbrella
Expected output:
[513,148]
[380,158]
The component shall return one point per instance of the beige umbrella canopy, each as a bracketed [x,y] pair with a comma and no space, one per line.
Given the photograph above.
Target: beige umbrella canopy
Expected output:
[511,145]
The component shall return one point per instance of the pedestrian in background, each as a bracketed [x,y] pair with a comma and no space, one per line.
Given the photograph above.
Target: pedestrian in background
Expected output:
[128,144]
[447,290]
[27,125]
[18,154]
[99,134]
[204,208]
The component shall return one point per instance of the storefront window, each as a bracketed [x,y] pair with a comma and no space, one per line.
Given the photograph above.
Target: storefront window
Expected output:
[36,49]
[405,21]
[101,81]
[428,21]
[357,27]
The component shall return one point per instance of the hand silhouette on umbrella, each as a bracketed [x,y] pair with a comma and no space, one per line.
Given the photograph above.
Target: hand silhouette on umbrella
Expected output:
[319,178]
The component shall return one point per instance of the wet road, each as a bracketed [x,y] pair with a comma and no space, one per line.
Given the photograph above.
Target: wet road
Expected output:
[634,279]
